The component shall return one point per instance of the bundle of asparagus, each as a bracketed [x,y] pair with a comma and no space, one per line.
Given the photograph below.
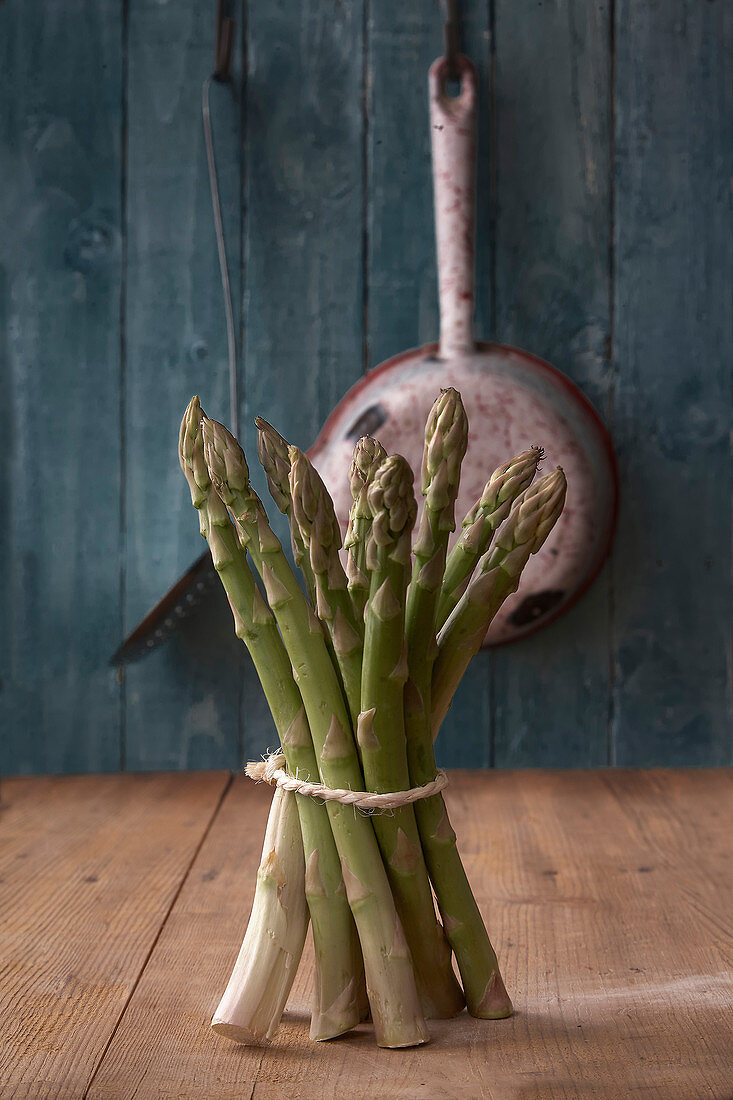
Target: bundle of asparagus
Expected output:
[359,674]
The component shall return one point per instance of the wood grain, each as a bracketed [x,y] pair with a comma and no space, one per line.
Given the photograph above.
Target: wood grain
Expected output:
[609,896]
[90,867]
[553,292]
[60,272]
[673,345]
[181,703]
[164,1045]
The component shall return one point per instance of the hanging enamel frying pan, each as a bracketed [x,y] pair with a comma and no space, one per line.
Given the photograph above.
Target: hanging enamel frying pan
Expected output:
[513,399]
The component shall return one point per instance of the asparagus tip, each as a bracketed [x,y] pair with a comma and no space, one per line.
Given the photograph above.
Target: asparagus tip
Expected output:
[391,500]
[225,460]
[367,457]
[191,453]
[313,511]
[272,450]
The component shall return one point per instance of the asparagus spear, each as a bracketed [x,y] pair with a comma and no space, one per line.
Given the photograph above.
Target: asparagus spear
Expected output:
[272,450]
[446,437]
[255,996]
[318,528]
[368,456]
[381,733]
[338,996]
[391,987]
[487,514]
[529,523]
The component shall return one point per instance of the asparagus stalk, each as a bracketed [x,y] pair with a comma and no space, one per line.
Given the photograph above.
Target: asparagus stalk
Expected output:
[446,438]
[381,733]
[396,1013]
[255,996]
[488,513]
[368,456]
[338,996]
[272,450]
[529,523]
[318,528]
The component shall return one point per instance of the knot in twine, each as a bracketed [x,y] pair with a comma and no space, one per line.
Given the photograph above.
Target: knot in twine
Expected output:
[272,771]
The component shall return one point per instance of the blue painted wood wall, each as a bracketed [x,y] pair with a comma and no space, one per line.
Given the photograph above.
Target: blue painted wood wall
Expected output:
[605,245]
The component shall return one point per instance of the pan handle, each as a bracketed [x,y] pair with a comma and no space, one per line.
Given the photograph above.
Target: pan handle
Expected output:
[453,140]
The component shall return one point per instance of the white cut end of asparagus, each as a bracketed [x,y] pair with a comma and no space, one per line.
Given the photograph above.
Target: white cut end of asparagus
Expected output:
[254,1000]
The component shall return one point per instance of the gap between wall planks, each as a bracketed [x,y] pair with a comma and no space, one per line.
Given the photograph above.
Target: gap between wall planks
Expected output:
[609,900]
[92,867]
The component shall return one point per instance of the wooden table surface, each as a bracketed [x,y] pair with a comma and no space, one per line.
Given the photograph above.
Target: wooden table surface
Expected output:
[609,895]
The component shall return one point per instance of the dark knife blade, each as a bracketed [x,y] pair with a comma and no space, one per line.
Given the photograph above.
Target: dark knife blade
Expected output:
[162,621]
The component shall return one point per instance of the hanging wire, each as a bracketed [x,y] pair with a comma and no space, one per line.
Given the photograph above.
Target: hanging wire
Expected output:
[221,249]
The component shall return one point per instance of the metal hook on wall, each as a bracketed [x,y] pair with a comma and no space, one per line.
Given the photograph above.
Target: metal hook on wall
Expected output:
[223,42]
[451,33]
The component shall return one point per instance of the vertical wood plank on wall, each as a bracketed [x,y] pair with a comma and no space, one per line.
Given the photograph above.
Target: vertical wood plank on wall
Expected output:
[402,42]
[674,347]
[303,232]
[60,170]
[402,306]
[553,83]
[182,701]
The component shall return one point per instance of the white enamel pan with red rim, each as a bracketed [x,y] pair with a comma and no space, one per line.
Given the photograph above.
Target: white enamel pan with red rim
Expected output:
[513,399]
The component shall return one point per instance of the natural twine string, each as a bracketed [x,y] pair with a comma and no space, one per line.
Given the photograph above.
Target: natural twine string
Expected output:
[272,771]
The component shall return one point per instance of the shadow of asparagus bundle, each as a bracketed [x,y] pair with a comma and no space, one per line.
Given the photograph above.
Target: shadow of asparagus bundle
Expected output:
[358,675]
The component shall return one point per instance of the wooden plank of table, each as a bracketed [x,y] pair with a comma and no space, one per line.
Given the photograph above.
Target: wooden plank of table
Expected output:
[164,1047]
[60,276]
[182,701]
[609,898]
[673,342]
[89,869]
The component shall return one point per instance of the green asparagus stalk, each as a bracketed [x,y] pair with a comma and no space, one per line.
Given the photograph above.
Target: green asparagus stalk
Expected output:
[446,438]
[318,528]
[339,993]
[396,1012]
[368,456]
[488,513]
[381,733]
[529,523]
[255,996]
[272,450]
